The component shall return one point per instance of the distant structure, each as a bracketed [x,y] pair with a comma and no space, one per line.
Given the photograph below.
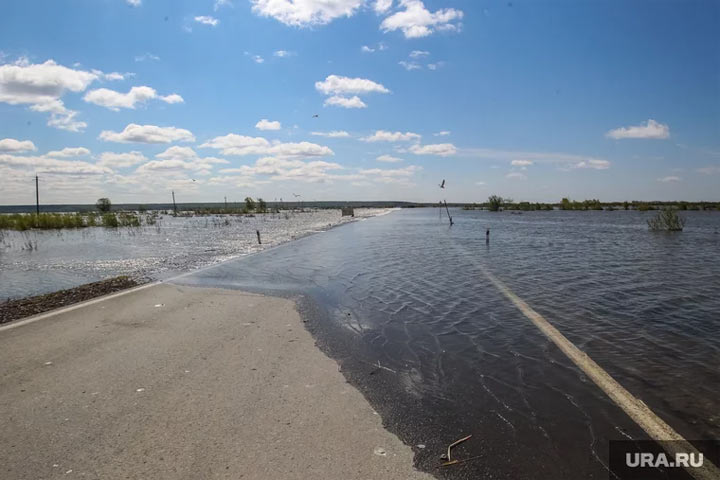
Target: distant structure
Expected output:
[348,212]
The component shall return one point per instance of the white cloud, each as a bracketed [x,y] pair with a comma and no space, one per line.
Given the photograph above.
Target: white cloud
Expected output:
[221,3]
[305,13]
[337,85]
[178,159]
[443,133]
[134,133]
[382,6]
[332,134]
[345,102]
[521,163]
[239,145]
[480,183]
[137,95]
[410,65]
[651,129]
[367,49]
[283,53]
[52,165]
[393,176]
[12,145]
[266,124]
[516,175]
[435,66]
[147,56]
[416,21]
[568,160]
[709,170]
[388,159]
[593,163]
[41,86]
[291,169]
[669,179]
[419,53]
[207,20]
[385,136]
[121,160]
[69,152]
[441,149]
[134,3]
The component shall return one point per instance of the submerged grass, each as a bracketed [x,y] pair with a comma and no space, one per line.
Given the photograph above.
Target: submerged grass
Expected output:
[56,221]
[666,220]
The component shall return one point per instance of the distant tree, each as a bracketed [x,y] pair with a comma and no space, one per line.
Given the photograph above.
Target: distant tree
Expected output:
[494,203]
[565,204]
[626,205]
[103,204]
[261,205]
[249,204]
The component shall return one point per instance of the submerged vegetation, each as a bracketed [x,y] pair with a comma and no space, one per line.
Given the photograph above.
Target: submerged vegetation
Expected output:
[496,203]
[666,220]
[55,221]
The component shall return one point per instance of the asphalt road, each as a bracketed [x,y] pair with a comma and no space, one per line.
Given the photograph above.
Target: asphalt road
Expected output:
[184,383]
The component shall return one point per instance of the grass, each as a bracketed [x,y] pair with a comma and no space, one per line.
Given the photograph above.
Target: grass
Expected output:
[666,220]
[57,221]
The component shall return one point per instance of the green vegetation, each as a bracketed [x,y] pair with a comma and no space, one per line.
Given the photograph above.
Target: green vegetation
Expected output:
[666,220]
[567,204]
[103,205]
[261,206]
[495,202]
[56,221]
[249,204]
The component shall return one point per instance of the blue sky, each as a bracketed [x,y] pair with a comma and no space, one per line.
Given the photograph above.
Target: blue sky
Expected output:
[526,99]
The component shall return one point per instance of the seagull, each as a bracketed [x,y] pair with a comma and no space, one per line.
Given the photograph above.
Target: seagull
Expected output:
[442,185]
[194,180]
[296,195]
[315,116]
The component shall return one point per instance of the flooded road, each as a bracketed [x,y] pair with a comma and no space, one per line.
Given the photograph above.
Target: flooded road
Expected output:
[404,304]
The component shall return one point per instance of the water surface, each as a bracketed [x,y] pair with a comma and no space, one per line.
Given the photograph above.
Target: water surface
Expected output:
[401,302]
[40,261]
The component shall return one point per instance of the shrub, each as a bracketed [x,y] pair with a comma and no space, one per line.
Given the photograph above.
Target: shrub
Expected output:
[494,203]
[666,220]
[110,220]
[103,204]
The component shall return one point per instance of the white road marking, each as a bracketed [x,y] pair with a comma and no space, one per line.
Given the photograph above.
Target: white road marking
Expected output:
[653,425]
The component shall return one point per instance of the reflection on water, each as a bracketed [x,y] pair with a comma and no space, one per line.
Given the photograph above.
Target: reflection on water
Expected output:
[407,291]
[35,262]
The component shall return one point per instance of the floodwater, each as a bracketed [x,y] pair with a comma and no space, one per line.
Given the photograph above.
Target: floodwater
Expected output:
[35,262]
[402,303]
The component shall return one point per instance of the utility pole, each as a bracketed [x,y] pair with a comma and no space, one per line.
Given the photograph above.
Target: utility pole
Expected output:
[174,205]
[225,203]
[37,196]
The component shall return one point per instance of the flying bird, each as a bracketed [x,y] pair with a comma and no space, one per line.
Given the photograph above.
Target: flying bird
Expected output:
[315,116]
[296,195]
[442,185]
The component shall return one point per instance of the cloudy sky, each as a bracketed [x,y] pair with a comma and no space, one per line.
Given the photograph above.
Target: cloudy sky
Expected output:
[359,99]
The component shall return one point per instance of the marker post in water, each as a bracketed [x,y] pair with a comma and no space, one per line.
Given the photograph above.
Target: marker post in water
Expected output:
[258,235]
[448,213]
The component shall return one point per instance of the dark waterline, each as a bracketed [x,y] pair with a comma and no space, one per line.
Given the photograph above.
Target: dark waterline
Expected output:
[457,358]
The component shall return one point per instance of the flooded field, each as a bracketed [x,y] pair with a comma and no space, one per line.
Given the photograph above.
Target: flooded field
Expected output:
[41,261]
